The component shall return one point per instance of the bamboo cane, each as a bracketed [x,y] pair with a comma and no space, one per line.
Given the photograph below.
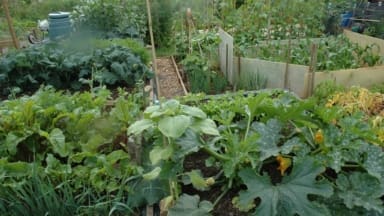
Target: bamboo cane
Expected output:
[10,25]
[154,64]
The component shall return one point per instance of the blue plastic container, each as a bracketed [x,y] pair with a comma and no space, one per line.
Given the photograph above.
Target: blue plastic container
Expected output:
[59,25]
[346,19]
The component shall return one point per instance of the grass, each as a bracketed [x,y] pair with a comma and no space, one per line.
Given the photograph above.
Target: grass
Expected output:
[25,14]
[251,80]
[40,196]
[165,51]
[37,197]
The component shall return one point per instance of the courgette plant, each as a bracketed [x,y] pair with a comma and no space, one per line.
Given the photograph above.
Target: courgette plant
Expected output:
[178,130]
[295,157]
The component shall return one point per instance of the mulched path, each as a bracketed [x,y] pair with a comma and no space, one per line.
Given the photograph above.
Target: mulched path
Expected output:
[169,83]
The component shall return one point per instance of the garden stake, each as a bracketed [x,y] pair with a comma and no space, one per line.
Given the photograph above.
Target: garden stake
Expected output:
[154,64]
[312,69]
[10,25]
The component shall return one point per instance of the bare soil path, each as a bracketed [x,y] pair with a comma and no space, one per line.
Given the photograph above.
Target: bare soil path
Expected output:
[169,82]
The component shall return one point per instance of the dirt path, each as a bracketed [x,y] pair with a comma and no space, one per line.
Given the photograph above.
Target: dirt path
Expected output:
[169,82]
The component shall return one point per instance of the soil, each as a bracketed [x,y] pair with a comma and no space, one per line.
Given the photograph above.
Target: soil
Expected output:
[169,83]
[224,206]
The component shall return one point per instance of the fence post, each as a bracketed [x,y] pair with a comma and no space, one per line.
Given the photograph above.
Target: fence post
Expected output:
[312,70]
[288,61]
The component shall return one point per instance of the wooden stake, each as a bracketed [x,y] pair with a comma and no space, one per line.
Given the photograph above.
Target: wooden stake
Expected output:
[154,63]
[178,76]
[189,27]
[10,25]
[312,70]
[286,72]
[149,211]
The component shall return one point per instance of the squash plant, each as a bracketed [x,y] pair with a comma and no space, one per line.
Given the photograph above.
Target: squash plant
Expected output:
[286,156]
[177,131]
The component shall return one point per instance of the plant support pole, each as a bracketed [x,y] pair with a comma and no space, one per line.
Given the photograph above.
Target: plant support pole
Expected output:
[10,25]
[154,63]
[312,69]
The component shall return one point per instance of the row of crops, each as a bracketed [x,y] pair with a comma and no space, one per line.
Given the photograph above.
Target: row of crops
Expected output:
[332,53]
[79,136]
[78,154]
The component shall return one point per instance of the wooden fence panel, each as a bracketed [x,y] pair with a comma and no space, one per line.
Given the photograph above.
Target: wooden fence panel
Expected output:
[274,72]
[365,40]
[364,77]
[226,55]
[298,76]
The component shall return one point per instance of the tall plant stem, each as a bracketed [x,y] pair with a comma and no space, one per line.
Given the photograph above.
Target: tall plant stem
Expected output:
[215,154]
[220,196]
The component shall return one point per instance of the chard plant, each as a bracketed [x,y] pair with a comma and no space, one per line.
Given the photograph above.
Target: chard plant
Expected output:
[74,140]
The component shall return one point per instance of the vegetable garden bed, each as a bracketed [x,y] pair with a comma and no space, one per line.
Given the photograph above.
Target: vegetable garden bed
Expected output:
[300,79]
[74,65]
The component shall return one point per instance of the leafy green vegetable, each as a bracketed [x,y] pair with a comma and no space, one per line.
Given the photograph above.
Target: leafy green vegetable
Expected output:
[374,163]
[153,174]
[269,137]
[361,189]
[288,197]
[64,68]
[175,126]
[57,139]
[333,53]
[190,205]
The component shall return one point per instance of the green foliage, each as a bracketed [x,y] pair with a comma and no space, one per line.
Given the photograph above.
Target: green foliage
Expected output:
[70,135]
[162,19]
[353,194]
[378,88]
[38,196]
[256,21]
[201,77]
[250,137]
[289,197]
[176,131]
[111,18]
[257,129]
[64,68]
[251,81]
[190,205]
[204,42]
[197,180]
[25,14]
[173,120]
[78,142]
[134,45]
[333,53]
[34,10]
[326,89]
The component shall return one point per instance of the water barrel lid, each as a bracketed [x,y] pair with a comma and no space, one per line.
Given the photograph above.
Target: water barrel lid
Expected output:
[59,15]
